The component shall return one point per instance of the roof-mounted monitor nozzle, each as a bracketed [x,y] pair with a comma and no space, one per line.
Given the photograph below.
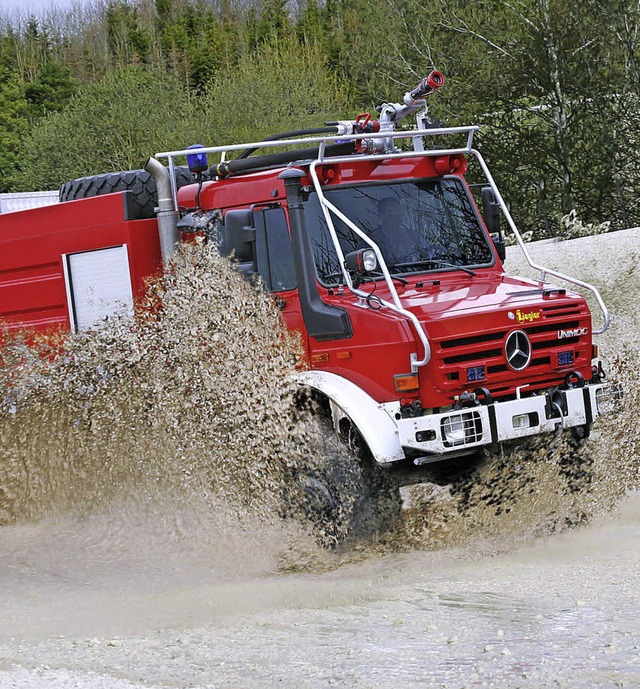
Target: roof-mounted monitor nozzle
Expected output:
[425,88]
[413,102]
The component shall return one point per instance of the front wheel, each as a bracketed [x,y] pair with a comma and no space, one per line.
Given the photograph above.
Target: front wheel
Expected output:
[345,495]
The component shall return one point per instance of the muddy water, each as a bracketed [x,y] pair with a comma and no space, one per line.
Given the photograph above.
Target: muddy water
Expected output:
[138,573]
[562,611]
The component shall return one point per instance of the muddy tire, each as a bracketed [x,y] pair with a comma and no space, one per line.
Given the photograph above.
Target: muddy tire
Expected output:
[344,505]
[340,491]
[378,507]
[343,494]
[139,182]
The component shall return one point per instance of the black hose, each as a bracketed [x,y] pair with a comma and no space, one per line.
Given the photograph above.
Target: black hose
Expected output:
[243,164]
[288,135]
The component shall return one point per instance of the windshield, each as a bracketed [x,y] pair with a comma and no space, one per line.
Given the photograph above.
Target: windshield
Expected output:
[424,225]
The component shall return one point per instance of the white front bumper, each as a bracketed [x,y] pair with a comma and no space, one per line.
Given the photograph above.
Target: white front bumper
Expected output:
[471,427]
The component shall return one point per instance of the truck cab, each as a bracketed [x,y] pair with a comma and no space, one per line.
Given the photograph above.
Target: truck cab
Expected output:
[413,331]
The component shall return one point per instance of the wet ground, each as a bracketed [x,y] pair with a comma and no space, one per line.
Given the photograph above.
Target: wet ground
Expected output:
[561,611]
[149,594]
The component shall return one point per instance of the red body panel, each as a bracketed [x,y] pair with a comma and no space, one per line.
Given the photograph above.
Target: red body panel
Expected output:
[466,318]
[33,243]
[467,321]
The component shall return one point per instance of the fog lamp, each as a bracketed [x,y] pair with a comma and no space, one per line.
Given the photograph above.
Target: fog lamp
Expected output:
[521,421]
[462,429]
[608,398]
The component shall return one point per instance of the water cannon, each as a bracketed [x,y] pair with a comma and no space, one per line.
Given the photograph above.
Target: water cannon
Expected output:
[413,103]
[426,87]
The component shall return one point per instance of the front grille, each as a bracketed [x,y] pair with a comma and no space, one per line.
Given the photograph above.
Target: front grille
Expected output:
[487,349]
[472,356]
[473,339]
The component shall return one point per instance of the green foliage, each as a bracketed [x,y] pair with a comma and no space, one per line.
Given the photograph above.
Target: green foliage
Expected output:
[133,113]
[50,91]
[542,72]
[128,41]
[274,21]
[284,85]
[555,84]
[361,48]
[13,124]
[112,125]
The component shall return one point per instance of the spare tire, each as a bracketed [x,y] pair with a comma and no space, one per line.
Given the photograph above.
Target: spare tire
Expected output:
[144,196]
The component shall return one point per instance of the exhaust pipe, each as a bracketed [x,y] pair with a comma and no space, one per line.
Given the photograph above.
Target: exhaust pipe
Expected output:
[166,213]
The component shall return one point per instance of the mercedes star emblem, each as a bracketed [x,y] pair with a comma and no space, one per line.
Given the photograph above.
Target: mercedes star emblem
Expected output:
[517,349]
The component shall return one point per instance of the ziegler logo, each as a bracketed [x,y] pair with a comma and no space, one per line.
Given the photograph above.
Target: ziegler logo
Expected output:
[527,317]
[578,332]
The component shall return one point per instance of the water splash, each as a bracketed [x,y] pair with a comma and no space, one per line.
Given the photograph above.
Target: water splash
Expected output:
[187,416]
[193,400]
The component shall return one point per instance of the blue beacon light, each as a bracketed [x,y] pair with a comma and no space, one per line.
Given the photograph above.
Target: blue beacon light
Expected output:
[197,162]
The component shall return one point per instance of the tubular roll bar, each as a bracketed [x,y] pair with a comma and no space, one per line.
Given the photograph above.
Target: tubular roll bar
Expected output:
[328,208]
[543,271]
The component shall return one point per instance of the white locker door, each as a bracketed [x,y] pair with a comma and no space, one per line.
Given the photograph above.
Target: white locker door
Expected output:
[98,286]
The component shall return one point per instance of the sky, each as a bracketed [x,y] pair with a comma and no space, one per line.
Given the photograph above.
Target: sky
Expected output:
[35,5]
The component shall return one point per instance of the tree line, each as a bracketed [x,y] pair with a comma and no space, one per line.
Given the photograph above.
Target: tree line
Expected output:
[554,84]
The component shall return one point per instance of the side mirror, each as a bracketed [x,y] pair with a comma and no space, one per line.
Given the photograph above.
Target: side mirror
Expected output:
[490,210]
[238,238]
[491,216]
[360,262]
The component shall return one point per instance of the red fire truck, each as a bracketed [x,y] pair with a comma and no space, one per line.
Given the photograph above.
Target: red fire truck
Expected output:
[373,246]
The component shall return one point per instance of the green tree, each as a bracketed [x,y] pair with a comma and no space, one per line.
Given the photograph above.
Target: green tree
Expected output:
[521,69]
[285,85]
[273,22]
[362,49]
[128,41]
[50,91]
[13,124]
[113,125]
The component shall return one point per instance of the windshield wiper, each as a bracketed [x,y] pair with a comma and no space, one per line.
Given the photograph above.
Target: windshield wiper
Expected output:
[378,273]
[374,273]
[434,262]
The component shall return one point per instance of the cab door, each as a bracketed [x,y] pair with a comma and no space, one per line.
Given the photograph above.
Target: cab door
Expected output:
[275,264]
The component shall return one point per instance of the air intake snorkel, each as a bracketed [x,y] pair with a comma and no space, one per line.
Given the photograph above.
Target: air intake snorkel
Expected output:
[166,212]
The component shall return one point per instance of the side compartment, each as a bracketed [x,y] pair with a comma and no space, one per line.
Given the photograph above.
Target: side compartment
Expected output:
[71,265]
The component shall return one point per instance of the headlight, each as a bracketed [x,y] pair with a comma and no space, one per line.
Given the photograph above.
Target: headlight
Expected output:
[369,260]
[453,429]
[461,429]
[609,398]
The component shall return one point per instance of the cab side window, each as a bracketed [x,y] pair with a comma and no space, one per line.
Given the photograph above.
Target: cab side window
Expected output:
[274,256]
